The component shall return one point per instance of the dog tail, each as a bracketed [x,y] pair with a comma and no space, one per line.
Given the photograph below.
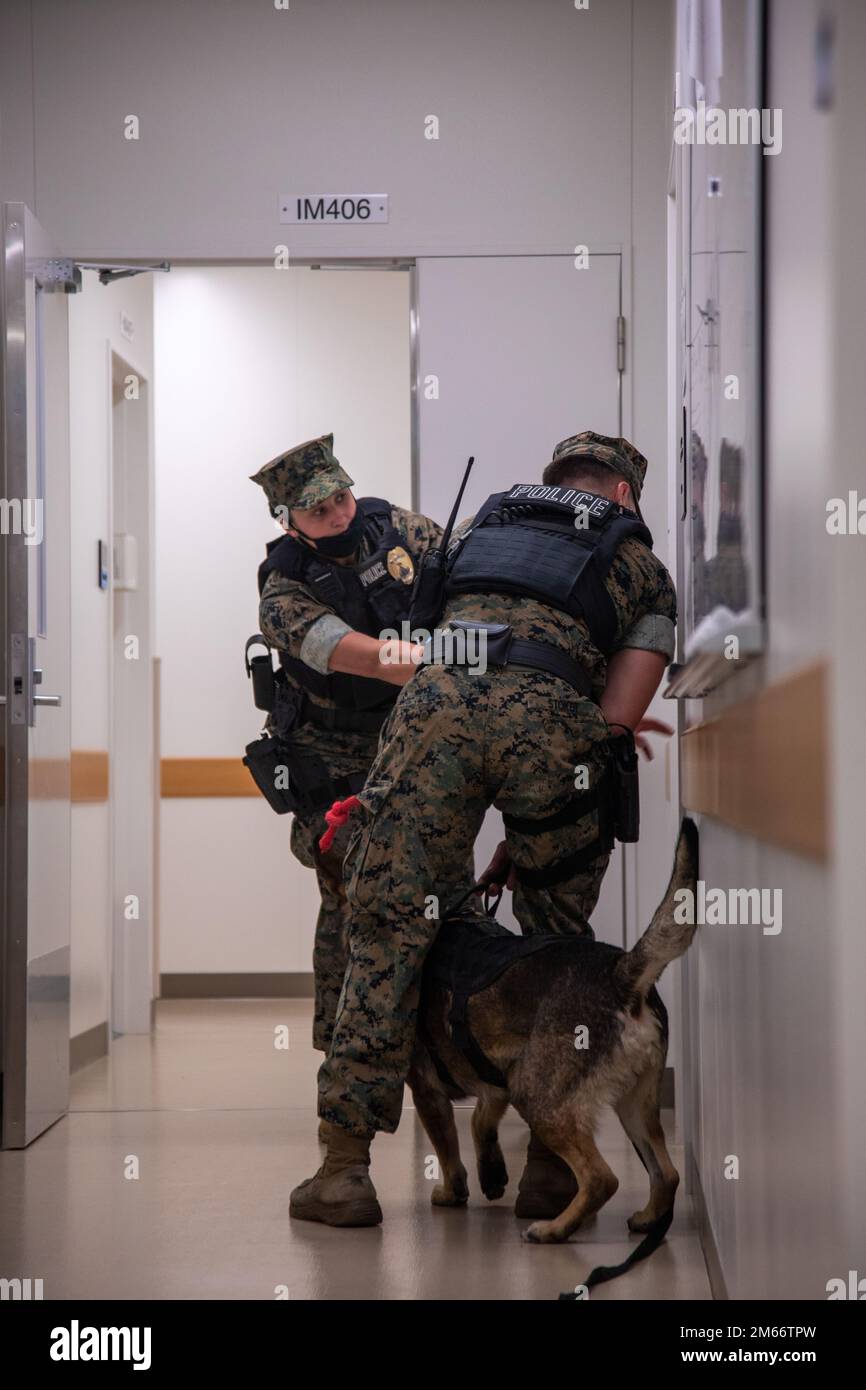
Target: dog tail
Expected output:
[666,937]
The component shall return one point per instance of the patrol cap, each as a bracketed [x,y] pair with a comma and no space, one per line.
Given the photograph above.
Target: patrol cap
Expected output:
[615,453]
[302,476]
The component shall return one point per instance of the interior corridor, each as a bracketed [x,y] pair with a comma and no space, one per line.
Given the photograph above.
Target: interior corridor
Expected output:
[223,1125]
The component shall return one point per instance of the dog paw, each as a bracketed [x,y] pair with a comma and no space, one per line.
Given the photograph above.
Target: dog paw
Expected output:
[455,1194]
[542,1233]
[493,1177]
[494,1193]
[641,1221]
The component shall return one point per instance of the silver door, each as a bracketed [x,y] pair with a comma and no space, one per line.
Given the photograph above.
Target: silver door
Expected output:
[34,681]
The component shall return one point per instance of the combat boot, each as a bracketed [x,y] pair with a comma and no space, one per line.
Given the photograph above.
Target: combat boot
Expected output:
[547,1184]
[341,1193]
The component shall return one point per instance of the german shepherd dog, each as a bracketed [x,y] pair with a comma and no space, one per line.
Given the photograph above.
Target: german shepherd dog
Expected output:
[525,1024]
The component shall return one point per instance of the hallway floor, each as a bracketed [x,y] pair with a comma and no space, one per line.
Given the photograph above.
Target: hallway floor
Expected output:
[223,1125]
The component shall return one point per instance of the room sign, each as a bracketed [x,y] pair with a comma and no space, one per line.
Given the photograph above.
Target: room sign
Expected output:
[334,207]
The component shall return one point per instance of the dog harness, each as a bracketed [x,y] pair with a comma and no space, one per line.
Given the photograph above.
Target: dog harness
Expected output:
[468,955]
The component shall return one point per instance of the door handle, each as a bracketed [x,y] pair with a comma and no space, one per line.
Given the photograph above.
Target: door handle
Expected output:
[25,675]
[36,679]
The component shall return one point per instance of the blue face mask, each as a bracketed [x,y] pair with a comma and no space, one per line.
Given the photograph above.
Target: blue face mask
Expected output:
[338,547]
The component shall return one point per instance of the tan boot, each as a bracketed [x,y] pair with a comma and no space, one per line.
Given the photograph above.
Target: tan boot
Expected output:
[341,1193]
[547,1184]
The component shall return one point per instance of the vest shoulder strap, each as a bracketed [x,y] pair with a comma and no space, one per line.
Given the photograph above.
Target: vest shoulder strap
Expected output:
[599,609]
[296,561]
[486,508]
[484,511]
[376,512]
[283,554]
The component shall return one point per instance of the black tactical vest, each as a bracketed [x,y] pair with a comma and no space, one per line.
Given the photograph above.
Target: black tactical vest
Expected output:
[526,542]
[365,596]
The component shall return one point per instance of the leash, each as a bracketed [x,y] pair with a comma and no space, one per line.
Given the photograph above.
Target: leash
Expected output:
[602,1273]
[491,900]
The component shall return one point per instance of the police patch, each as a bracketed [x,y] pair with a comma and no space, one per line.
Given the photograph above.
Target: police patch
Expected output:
[400,565]
[370,575]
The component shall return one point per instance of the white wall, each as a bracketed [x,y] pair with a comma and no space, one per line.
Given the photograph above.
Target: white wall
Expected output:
[94,328]
[239,103]
[848,731]
[645,394]
[248,362]
[777,1029]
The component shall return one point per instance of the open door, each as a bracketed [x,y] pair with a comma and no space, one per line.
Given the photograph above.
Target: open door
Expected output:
[34,680]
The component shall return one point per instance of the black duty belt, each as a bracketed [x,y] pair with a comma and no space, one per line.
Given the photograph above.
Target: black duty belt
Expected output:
[350,721]
[502,648]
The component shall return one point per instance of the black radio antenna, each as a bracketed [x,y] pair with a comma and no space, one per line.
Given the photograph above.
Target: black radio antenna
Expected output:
[453,517]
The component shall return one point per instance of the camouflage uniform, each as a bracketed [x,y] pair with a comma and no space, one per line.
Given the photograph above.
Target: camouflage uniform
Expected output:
[455,743]
[294,620]
[345,754]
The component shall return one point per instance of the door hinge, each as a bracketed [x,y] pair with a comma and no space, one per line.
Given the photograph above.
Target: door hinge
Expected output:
[620,343]
[57,276]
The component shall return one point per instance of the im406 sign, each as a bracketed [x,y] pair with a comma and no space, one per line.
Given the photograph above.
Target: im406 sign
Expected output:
[334,207]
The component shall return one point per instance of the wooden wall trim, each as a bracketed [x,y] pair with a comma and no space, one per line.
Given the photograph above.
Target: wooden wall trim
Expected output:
[232,985]
[48,779]
[83,778]
[206,777]
[761,766]
[89,775]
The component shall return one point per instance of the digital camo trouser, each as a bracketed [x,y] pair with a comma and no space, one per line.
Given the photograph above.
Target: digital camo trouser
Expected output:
[346,754]
[455,743]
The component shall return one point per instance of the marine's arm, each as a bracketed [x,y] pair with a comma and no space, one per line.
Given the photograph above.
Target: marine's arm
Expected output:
[645,599]
[387,659]
[633,677]
[292,619]
[379,659]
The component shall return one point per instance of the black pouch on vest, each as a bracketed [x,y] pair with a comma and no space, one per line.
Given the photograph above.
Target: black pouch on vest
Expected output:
[428,594]
[624,795]
[265,758]
[498,637]
[311,788]
[260,669]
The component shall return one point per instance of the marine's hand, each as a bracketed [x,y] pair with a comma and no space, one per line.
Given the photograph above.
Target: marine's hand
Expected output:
[649,726]
[500,872]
